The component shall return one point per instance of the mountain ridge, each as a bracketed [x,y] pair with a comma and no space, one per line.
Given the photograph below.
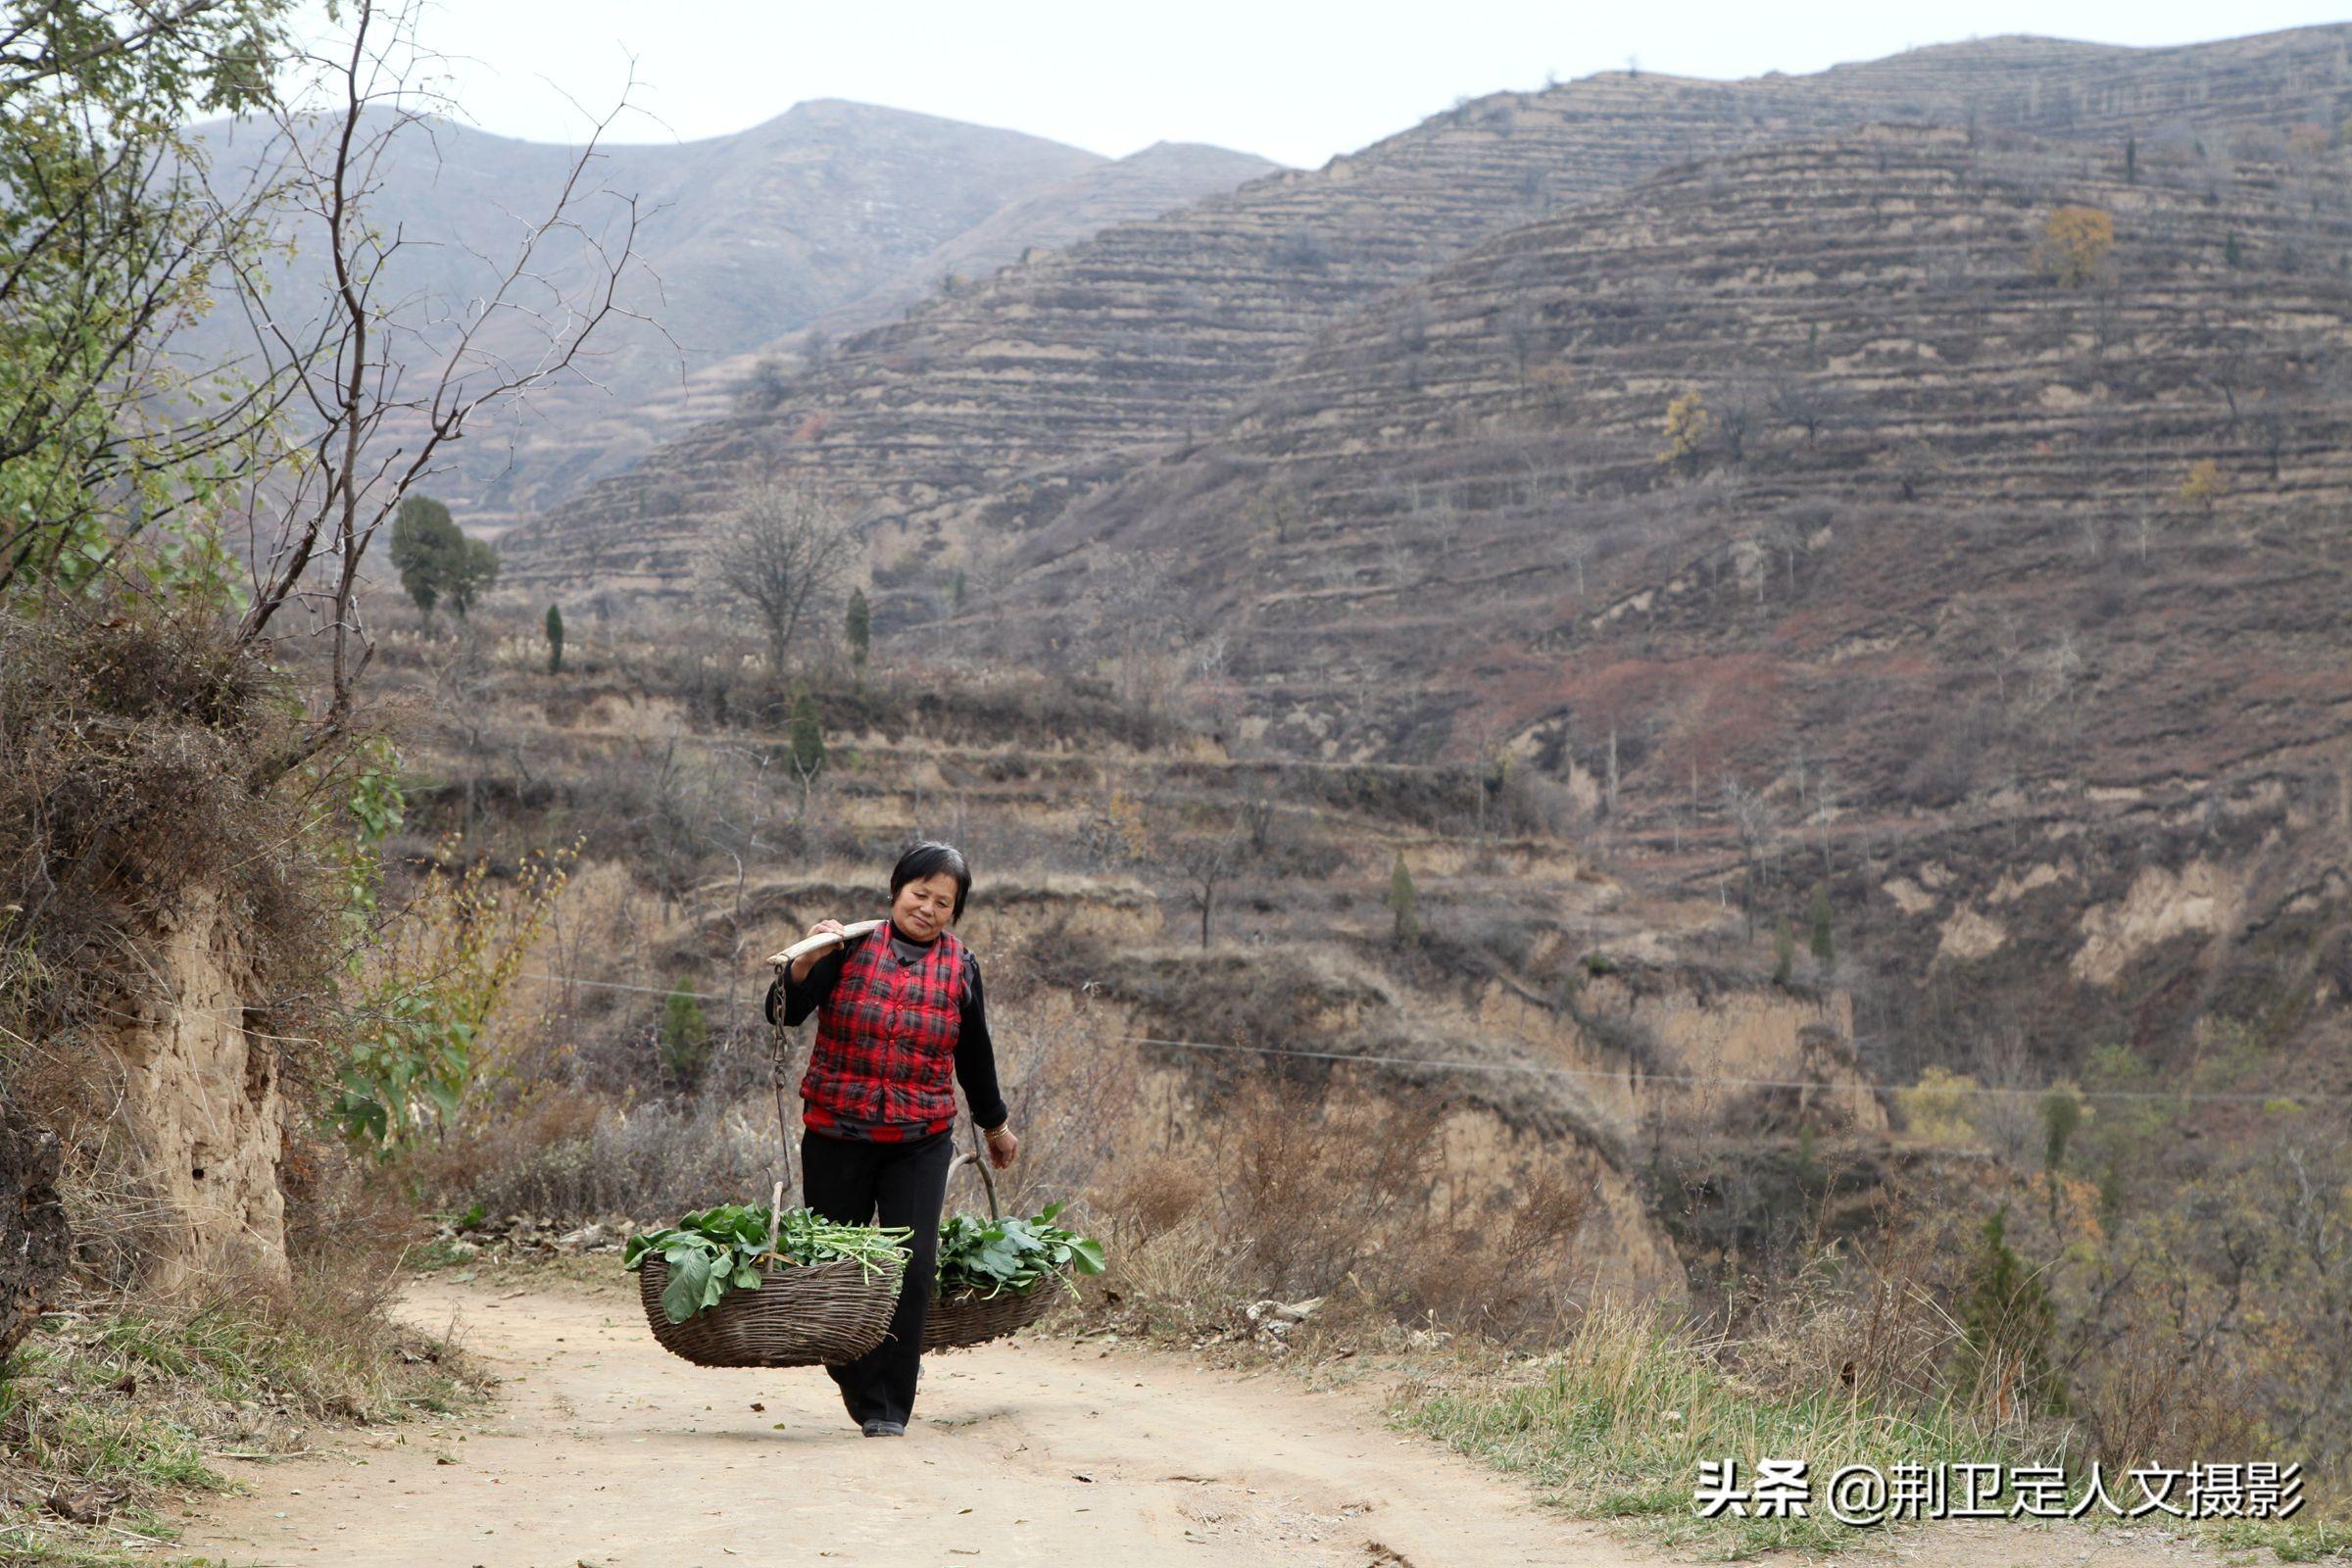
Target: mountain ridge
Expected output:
[741,238]
[967,421]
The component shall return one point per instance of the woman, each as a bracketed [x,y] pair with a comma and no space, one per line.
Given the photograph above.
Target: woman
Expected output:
[899,1012]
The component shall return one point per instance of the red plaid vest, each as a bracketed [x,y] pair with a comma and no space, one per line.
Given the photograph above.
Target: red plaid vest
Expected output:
[885,1048]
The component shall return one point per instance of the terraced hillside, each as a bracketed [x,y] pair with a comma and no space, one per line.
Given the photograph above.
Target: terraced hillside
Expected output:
[981,413]
[1554,1017]
[587,438]
[2012,603]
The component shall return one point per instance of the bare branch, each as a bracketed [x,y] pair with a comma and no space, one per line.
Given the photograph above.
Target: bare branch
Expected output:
[379,427]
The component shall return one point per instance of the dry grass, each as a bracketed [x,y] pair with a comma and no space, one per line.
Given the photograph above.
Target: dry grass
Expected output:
[1615,1421]
[563,1155]
[118,1405]
[136,754]
[1290,1191]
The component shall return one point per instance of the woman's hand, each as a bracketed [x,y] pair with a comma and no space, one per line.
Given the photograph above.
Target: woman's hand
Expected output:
[808,960]
[1002,1147]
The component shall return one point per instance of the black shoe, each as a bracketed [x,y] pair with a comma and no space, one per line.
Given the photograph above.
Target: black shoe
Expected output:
[885,1429]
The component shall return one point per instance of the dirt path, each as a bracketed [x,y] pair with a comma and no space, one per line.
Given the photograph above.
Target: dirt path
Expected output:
[605,1450]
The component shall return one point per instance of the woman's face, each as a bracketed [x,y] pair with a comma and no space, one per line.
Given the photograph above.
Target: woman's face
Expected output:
[924,906]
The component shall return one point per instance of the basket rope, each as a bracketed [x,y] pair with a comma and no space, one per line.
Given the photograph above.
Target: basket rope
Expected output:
[966,1317]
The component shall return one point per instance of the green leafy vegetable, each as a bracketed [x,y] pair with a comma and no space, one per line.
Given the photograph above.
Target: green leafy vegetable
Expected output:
[991,1257]
[723,1248]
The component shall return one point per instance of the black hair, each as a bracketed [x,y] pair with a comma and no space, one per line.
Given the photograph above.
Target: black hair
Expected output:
[929,857]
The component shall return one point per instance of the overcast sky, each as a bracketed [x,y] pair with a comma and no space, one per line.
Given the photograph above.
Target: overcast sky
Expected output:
[1296,82]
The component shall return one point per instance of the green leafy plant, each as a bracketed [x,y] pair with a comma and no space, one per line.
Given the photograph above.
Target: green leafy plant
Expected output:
[112,241]
[992,1256]
[431,981]
[717,1250]
[378,805]
[807,755]
[2008,1323]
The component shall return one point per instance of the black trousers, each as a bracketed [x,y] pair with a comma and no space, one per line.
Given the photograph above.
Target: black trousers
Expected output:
[852,1182]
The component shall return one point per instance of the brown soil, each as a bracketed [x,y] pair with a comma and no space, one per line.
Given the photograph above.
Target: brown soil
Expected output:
[605,1450]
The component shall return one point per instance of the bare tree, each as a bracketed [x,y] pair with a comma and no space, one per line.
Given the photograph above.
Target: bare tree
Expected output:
[1825,813]
[1792,533]
[1577,549]
[2006,631]
[2057,671]
[1208,863]
[1137,595]
[2230,372]
[1807,403]
[350,370]
[1737,407]
[1523,330]
[1752,816]
[740,825]
[784,553]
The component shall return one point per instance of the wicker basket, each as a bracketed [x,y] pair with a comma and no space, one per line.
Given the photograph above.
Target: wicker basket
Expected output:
[971,1317]
[821,1314]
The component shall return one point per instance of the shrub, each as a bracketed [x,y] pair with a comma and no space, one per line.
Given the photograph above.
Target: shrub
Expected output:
[2204,485]
[2075,246]
[1688,422]
[567,1157]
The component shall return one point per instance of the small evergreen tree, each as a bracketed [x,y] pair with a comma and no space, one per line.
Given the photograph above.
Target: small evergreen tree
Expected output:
[860,628]
[1401,899]
[437,563]
[685,1037]
[2111,1195]
[2006,1325]
[471,578]
[808,745]
[1825,946]
[959,589]
[2231,254]
[426,546]
[2061,1114]
[555,639]
[1783,951]
[2131,159]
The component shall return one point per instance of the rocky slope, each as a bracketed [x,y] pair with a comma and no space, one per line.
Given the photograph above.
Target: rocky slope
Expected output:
[979,414]
[2012,605]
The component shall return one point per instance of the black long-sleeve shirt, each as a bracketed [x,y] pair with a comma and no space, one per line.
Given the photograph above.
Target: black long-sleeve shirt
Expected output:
[791,1002]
